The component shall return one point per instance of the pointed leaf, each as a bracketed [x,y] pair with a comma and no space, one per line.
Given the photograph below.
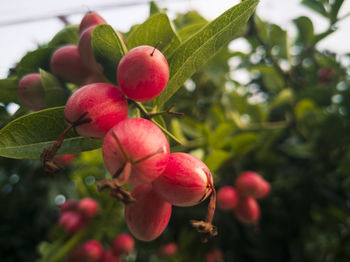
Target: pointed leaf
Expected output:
[27,136]
[197,50]
[56,94]
[156,30]
[109,49]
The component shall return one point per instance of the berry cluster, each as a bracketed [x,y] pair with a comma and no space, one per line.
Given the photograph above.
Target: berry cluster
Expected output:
[250,186]
[75,215]
[135,150]
[92,250]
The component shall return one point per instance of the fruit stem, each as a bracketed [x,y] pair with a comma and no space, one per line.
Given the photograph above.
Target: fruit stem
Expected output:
[117,190]
[155,47]
[50,166]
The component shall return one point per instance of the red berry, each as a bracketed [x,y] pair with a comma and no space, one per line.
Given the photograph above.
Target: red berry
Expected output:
[86,51]
[104,104]
[88,207]
[227,198]
[214,255]
[144,145]
[31,92]
[247,211]
[167,250]
[123,244]
[90,251]
[64,160]
[72,222]
[148,217]
[66,64]
[143,73]
[90,19]
[109,256]
[186,181]
[251,184]
[69,205]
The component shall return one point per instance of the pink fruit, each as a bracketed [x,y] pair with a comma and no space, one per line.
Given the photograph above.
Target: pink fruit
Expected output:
[144,145]
[90,19]
[123,244]
[251,184]
[86,51]
[227,198]
[67,65]
[31,92]
[69,205]
[90,251]
[148,217]
[64,160]
[109,256]
[103,103]
[72,222]
[186,181]
[167,250]
[214,255]
[88,207]
[143,73]
[247,211]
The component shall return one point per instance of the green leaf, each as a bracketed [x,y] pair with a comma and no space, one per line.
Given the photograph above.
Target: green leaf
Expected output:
[303,107]
[176,129]
[34,60]
[27,136]
[286,96]
[190,30]
[271,78]
[154,8]
[243,143]
[108,49]
[198,49]
[335,9]
[305,28]
[8,90]
[279,38]
[220,133]
[316,6]
[156,30]
[56,94]
[216,158]
[67,36]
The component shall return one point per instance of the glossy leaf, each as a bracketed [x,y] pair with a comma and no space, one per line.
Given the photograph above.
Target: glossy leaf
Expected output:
[109,49]
[27,136]
[8,90]
[196,51]
[158,31]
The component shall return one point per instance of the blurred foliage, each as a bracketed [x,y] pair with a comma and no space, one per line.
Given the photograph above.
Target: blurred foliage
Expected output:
[289,121]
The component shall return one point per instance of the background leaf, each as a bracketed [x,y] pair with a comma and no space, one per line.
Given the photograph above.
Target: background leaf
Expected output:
[8,90]
[27,136]
[197,50]
[67,36]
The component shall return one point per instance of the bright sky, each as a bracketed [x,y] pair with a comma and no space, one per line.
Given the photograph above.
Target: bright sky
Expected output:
[17,39]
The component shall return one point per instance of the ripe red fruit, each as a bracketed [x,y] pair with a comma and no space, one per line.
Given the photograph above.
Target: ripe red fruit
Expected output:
[148,217]
[88,207]
[66,64]
[31,92]
[109,256]
[251,184]
[86,51]
[214,255]
[90,251]
[167,250]
[186,181]
[227,198]
[123,244]
[90,19]
[143,73]
[72,222]
[104,104]
[247,211]
[144,145]
[69,205]
[64,160]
